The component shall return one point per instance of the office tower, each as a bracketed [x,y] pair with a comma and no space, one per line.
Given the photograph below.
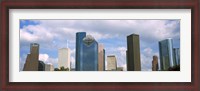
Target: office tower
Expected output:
[86,53]
[64,58]
[101,58]
[133,53]
[177,55]
[41,66]
[111,63]
[49,67]
[166,54]
[79,46]
[120,68]
[32,62]
[155,63]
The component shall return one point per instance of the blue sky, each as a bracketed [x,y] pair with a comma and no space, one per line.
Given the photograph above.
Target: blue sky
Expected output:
[55,34]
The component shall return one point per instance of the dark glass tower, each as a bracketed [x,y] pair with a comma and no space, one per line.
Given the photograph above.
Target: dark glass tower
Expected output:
[86,53]
[79,44]
[166,54]
[41,66]
[133,53]
[177,55]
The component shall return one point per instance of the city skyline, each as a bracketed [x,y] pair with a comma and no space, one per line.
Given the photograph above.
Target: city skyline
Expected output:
[114,44]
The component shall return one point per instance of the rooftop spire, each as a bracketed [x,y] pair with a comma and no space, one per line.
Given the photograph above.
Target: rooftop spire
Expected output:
[67,43]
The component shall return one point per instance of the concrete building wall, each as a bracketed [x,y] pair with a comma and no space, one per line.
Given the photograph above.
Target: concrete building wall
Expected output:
[111,63]
[49,67]
[101,58]
[155,63]
[133,53]
[31,63]
[64,57]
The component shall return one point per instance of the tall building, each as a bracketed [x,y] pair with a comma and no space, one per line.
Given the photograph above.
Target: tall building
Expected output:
[49,67]
[177,55]
[41,66]
[101,58]
[64,57]
[79,44]
[32,62]
[133,53]
[111,62]
[86,53]
[155,63]
[166,54]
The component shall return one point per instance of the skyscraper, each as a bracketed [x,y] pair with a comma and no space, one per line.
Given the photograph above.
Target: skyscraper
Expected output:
[101,58]
[79,47]
[86,53]
[133,53]
[111,62]
[166,54]
[41,66]
[155,63]
[177,55]
[32,62]
[64,57]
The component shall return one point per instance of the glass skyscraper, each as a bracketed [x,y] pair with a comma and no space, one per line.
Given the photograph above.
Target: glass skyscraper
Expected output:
[86,52]
[166,54]
[79,44]
[177,55]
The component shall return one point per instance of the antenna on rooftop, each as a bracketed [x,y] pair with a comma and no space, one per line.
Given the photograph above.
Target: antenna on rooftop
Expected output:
[67,43]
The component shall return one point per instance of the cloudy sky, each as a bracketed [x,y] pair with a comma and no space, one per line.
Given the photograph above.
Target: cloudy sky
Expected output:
[55,34]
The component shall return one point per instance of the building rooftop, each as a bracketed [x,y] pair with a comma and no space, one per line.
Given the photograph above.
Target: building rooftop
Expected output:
[133,34]
[111,56]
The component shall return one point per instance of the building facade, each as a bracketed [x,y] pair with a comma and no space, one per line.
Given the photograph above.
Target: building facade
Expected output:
[111,63]
[41,66]
[101,58]
[166,54]
[155,63]
[64,58]
[177,55]
[133,53]
[32,62]
[49,67]
[79,44]
[86,54]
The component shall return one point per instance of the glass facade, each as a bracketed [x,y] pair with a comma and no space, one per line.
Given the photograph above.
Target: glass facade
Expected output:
[41,66]
[166,54]
[177,55]
[86,53]
[79,44]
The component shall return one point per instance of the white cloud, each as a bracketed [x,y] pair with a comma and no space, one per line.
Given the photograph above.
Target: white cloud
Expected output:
[43,57]
[48,60]
[146,59]
[48,30]
[54,34]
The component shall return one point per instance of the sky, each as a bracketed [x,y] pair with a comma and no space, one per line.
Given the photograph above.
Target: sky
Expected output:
[55,34]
